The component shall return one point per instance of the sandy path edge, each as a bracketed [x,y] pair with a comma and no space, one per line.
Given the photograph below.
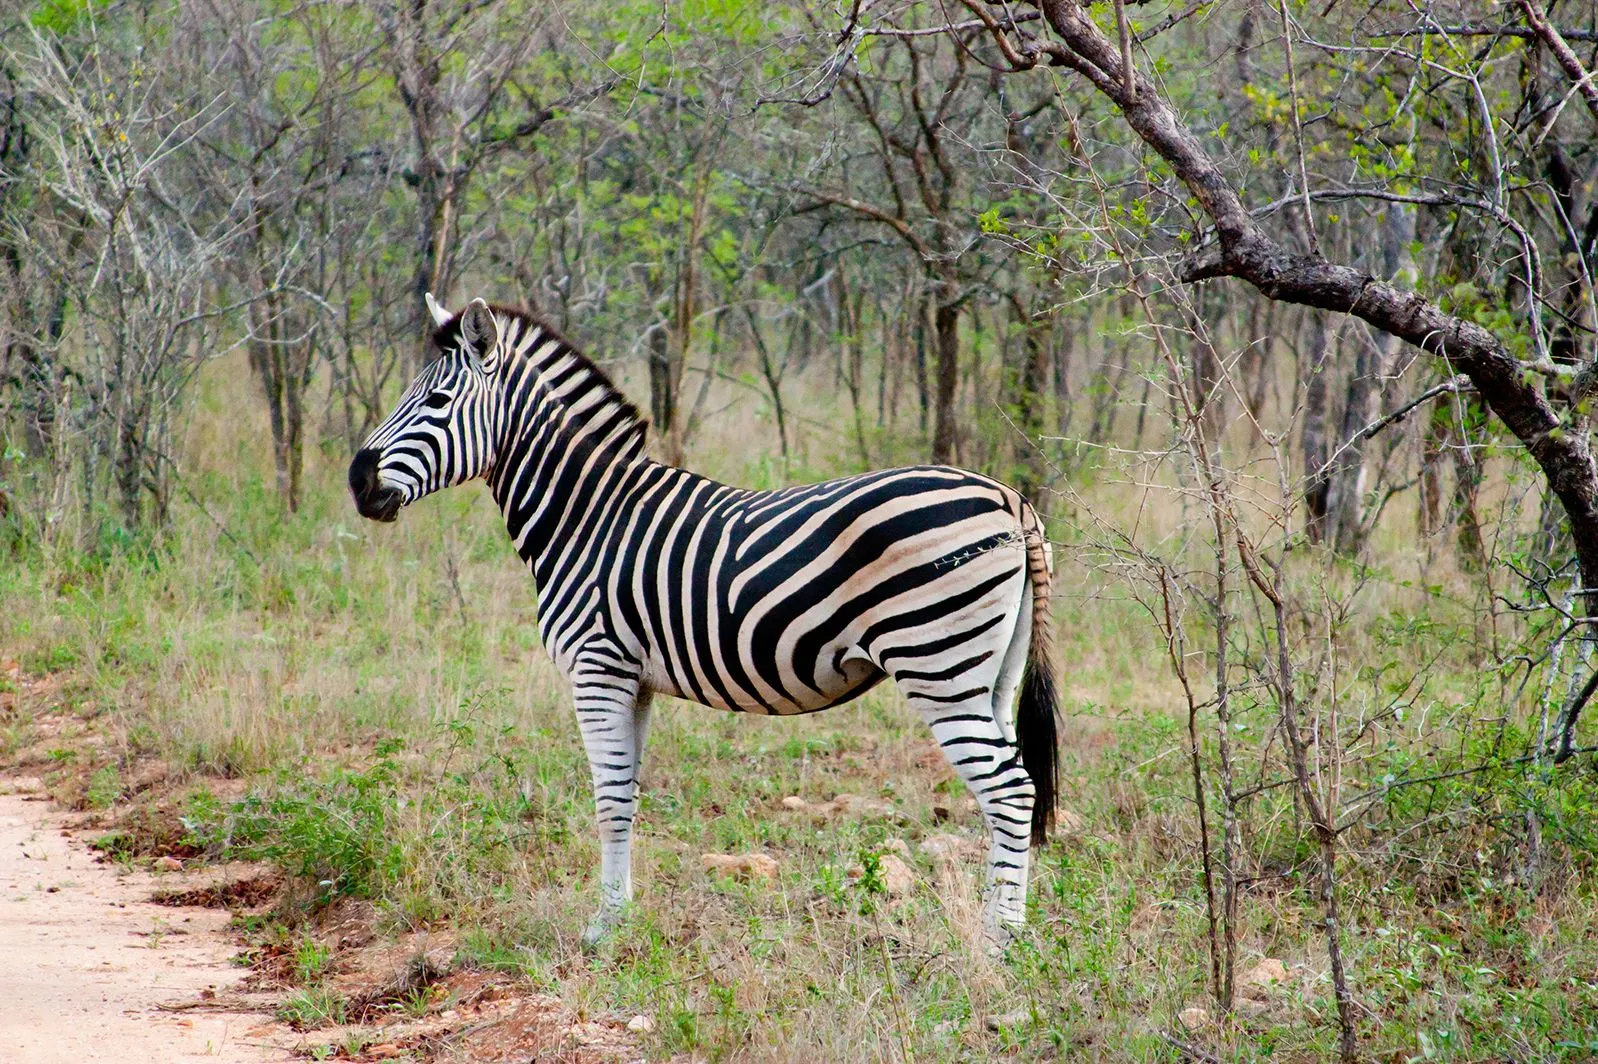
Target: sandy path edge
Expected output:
[86,958]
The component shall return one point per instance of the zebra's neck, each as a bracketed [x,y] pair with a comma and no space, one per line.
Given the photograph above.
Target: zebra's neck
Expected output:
[563,431]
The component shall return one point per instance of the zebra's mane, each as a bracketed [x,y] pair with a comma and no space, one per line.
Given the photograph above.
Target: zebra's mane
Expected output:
[604,403]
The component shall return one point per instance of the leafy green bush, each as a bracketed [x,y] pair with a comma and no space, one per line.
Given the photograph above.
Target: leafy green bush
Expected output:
[333,833]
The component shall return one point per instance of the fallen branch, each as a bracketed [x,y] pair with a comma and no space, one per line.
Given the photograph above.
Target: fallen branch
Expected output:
[1191,1052]
[230,1003]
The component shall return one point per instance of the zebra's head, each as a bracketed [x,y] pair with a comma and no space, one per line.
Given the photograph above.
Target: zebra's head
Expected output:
[440,433]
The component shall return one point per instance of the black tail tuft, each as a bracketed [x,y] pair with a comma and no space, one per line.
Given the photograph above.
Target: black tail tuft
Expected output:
[1037,735]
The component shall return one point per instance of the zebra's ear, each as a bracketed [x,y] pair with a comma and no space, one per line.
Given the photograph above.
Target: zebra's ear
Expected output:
[480,333]
[440,315]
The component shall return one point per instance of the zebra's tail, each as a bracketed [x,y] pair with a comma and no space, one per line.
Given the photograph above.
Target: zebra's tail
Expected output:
[1036,729]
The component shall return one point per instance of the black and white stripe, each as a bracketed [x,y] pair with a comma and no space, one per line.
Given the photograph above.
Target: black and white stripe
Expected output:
[654,579]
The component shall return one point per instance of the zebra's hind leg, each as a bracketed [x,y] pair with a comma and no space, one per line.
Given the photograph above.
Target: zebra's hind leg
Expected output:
[964,725]
[613,718]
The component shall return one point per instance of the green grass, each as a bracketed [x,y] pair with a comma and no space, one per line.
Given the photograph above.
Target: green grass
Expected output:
[310,1008]
[406,746]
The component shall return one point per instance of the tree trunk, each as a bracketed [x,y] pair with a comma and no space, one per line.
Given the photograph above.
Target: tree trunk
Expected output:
[1345,476]
[1317,418]
[1207,375]
[1431,472]
[1032,473]
[852,358]
[923,396]
[945,433]
[1345,502]
[1467,483]
[663,391]
[1257,352]
[1064,399]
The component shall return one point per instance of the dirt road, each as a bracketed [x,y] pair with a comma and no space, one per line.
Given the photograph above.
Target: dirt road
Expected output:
[86,959]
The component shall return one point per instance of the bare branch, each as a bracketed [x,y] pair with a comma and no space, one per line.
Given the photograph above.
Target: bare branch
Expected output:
[1479,30]
[1569,62]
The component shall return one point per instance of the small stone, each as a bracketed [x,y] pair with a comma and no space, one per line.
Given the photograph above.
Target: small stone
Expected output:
[148,777]
[168,864]
[854,805]
[1193,1017]
[384,1051]
[897,876]
[950,848]
[744,866]
[1018,1018]
[1264,976]
[898,846]
[640,1024]
[858,805]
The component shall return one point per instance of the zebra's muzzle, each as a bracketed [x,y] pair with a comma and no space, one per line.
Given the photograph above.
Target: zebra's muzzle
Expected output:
[372,499]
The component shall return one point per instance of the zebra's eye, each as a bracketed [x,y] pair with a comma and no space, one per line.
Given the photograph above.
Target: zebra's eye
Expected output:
[436,401]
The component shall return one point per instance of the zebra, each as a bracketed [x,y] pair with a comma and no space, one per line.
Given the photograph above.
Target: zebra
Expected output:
[652,579]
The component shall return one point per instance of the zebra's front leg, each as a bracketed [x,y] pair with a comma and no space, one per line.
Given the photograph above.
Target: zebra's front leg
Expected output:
[612,718]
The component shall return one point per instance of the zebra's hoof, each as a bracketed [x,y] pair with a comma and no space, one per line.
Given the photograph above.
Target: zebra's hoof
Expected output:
[600,929]
[997,934]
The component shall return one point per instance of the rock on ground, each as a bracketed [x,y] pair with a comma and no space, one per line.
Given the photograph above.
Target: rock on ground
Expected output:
[844,805]
[1269,974]
[744,866]
[898,878]
[944,847]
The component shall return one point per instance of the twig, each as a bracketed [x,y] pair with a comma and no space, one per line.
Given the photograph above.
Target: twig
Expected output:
[1172,19]
[1453,385]
[220,1004]
[1478,30]
[1191,1052]
[1567,721]
[660,30]
[1438,777]
[229,536]
[1010,21]
[1128,75]
[1298,131]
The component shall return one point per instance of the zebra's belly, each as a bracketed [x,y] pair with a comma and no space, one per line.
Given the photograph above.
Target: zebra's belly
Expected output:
[838,679]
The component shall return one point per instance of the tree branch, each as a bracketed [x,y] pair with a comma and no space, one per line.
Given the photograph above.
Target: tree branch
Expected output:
[1247,252]
[541,116]
[1478,30]
[1568,61]
[876,214]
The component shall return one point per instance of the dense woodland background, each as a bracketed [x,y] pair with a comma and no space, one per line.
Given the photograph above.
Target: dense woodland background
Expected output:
[1290,334]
